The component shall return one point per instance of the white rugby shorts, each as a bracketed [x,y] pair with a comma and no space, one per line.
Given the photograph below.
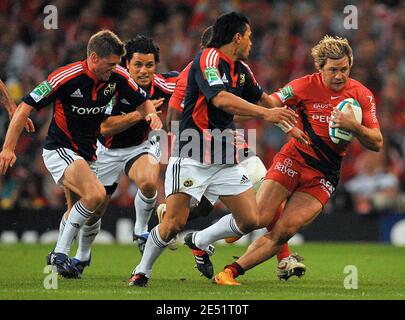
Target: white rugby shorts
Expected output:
[184,175]
[111,163]
[256,171]
[56,161]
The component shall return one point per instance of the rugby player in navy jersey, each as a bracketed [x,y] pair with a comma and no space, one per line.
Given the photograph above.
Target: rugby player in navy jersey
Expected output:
[125,148]
[219,86]
[80,93]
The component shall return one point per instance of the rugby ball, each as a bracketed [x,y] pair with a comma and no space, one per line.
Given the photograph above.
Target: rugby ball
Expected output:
[339,135]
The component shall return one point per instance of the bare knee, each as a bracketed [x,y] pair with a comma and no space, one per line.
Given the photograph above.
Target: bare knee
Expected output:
[266,216]
[94,197]
[148,188]
[284,232]
[170,227]
[100,211]
[248,224]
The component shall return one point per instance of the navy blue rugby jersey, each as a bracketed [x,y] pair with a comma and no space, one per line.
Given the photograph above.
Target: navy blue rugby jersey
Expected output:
[162,86]
[211,73]
[79,103]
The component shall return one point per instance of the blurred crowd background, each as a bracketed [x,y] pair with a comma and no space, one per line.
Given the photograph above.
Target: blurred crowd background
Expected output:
[283,34]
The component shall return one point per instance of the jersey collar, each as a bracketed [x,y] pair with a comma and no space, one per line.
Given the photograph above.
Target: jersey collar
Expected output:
[88,72]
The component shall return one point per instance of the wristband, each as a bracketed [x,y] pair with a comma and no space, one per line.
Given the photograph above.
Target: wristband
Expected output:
[284,126]
[151,115]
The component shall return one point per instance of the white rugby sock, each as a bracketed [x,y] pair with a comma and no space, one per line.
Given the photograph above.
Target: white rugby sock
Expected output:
[143,207]
[86,237]
[61,226]
[224,228]
[153,249]
[77,217]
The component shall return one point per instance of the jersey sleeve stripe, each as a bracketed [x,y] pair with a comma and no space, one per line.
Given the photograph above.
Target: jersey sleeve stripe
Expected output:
[133,84]
[62,73]
[208,59]
[52,81]
[65,68]
[214,60]
[165,86]
[123,72]
[164,82]
[277,96]
[167,81]
[66,77]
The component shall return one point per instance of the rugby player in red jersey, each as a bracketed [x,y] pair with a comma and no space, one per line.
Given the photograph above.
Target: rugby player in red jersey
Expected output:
[80,93]
[307,175]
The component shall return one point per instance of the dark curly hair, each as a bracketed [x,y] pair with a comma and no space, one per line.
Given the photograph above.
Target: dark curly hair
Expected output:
[141,44]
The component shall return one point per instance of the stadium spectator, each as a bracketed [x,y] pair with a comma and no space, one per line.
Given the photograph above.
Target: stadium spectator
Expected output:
[31,194]
[374,187]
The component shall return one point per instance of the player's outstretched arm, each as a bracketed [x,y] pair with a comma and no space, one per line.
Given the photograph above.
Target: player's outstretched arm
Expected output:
[116,124]
[148,111]
[6,101]
[119,123]
[269,102]
[7,155]
[238,106]
[9,104]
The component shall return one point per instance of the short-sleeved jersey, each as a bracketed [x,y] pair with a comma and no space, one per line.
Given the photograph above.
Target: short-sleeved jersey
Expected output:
[79,102]
[210,73]
[177,99]
[177,102]
[314,102]
[162,86]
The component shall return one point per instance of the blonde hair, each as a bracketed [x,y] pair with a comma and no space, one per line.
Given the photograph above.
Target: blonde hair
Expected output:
[331,48]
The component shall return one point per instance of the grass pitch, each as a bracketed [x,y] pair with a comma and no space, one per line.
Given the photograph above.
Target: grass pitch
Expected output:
[381,275]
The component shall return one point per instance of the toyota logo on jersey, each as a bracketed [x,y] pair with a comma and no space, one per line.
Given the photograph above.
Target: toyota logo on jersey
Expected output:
[85,111]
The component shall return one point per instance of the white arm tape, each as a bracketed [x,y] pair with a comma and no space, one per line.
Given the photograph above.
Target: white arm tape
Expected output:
[284,126]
